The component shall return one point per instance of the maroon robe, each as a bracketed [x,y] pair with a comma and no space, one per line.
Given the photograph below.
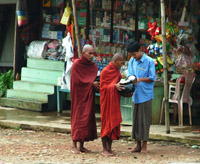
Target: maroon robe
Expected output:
[83,121]
[110,102]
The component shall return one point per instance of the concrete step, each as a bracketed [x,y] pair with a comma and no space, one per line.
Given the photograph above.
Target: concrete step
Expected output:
[37,84]
[45,64]
[34,86]
[40,76]
[28,95]
[24,104]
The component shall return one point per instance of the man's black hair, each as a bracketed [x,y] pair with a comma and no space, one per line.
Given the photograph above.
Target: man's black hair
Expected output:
[133,46]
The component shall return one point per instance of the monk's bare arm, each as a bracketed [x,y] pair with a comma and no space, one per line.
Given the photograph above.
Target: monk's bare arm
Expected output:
[96,85]
[119,87]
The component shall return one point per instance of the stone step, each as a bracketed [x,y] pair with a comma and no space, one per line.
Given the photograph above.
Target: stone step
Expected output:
[34,86]
[45,64]
[40,76]
[37,85]
[28,95]
[24,104]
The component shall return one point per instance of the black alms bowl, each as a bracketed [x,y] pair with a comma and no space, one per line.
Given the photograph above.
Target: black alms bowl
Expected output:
[129,87]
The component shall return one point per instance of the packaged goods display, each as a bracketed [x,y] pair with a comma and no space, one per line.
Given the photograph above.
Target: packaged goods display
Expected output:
[110,25]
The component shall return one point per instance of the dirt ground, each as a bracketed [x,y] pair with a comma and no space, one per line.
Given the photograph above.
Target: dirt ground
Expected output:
[36,147]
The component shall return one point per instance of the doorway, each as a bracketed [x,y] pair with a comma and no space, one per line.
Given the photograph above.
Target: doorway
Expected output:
[7,32]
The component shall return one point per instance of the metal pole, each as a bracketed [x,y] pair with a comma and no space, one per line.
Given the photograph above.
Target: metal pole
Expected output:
[76,27]
[162,3]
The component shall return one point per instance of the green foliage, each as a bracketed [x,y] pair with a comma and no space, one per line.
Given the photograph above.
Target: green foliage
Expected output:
[6,82]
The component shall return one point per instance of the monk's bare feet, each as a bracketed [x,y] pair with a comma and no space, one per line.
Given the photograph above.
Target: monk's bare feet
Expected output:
[112,152]
[106,153]
[144,150]
[84,150]
[75,150]
[136,149]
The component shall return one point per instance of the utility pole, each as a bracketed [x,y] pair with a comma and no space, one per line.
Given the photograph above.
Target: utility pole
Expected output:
[76,27]
[166,97]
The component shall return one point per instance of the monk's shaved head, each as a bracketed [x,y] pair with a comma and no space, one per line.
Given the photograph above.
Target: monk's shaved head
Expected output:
[118,60]
[86,47]
[88,52]
[118,56]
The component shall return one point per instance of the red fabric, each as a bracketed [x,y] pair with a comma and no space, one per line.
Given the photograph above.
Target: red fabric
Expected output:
[110,102]
[28,34]
[83,121]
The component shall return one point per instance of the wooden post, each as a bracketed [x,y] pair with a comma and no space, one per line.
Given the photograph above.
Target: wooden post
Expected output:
[136,20]
[162,3]
[76,27]
[111,25]
[16,47]
[88,20]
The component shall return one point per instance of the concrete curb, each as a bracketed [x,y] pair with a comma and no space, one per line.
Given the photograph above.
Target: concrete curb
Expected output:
[67,129]
[174,139]
[36,127]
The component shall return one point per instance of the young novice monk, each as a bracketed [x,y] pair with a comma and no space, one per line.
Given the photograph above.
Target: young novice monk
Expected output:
[110,103]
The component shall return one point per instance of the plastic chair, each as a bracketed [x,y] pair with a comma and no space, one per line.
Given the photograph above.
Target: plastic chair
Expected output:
[180,98]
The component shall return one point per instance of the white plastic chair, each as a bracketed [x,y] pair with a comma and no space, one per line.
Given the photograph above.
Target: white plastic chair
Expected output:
[179,97]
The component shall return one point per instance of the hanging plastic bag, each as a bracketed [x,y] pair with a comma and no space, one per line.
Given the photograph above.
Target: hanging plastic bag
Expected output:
[36,49]
[182,22]
[67,44]
[153,30]
[66,15]
[143,24]
[184,63]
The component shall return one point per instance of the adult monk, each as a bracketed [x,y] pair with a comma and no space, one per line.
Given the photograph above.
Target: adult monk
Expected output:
[83,86]
[110,103]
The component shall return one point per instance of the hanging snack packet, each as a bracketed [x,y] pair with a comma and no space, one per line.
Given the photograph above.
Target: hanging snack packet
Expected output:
[66,15]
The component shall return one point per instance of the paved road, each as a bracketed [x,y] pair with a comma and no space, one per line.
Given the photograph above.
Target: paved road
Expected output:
[37,147]
[60,122]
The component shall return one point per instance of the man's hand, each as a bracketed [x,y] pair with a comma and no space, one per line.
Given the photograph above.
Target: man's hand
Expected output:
[119,87]
[138,80]
[96,86]
[144,79]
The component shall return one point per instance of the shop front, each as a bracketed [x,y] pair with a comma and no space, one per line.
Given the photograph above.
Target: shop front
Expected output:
[109,25]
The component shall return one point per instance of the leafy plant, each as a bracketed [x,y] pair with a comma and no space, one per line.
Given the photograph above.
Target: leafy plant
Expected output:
[6,82]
